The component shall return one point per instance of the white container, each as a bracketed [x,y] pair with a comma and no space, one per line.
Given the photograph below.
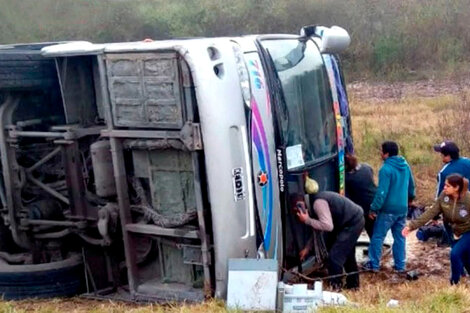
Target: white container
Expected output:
[300,304]
[318,289]
[302,300]
[300,289]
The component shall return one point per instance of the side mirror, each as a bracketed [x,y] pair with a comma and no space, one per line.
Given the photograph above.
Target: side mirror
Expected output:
[332,39]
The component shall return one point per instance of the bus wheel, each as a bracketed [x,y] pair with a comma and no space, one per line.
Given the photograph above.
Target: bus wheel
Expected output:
[54,279]
[23,67]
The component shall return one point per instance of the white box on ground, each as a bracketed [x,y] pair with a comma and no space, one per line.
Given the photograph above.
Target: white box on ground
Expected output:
[298,299]
[252,284]
[300,304]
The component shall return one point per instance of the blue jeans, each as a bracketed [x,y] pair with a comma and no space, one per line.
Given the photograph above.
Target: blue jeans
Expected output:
[459,257]
[383,224]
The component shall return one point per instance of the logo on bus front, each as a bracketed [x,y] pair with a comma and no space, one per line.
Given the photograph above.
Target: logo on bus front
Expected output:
[255,71]
[238,187]
[280,169]
[262,178]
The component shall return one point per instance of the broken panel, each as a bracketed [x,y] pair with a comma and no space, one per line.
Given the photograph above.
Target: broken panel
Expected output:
[173,267]
[171,177]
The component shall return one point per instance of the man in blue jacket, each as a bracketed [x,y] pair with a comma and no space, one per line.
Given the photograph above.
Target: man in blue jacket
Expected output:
[390,206]
[453,163]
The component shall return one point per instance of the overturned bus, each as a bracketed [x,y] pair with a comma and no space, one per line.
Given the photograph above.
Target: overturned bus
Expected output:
[137,170]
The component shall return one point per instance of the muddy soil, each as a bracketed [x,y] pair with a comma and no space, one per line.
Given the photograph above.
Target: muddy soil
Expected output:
[426,259]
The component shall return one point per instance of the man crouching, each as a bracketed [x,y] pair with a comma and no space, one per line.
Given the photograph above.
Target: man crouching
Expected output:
[342,221]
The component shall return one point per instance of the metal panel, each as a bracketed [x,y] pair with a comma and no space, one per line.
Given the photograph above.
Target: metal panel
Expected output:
[267,265]
[125,214]
[141,163]
[222,117]
[252,284]
[144,89]
[265,168]
[160,231]
[154,290]
[174,268]
[192,255]
[172,182]
[76,83]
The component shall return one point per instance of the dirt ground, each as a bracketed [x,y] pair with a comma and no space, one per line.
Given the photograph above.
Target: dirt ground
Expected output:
[381,91]
[426,259]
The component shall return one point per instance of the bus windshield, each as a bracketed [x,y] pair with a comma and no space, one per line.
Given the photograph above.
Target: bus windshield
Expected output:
[308,121]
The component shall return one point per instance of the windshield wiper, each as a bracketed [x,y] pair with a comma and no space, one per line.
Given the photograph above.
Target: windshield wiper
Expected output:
[278,94]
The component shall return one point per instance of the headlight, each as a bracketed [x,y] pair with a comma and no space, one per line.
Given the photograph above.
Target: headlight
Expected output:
[242,73]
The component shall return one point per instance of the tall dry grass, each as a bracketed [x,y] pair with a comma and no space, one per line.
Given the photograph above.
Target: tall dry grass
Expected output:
[423,295]
[78,305]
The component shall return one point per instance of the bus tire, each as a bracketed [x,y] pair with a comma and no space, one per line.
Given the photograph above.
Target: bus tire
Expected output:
[6,240]
[23,67]
[54,279]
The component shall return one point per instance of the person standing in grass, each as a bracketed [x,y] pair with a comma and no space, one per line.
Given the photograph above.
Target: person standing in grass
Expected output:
[390,207]
[454,204]
[360,187]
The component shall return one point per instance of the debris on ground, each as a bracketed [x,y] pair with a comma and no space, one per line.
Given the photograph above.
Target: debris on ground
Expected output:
[392,303]
[298,298]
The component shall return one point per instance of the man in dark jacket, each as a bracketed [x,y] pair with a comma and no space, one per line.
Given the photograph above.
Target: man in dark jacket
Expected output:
[343,221]
[360,187]
[390,206]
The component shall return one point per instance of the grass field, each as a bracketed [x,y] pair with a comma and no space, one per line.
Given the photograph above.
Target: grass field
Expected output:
[416,121]
[424,295]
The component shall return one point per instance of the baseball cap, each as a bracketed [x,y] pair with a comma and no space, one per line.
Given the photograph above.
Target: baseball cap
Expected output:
[446,147]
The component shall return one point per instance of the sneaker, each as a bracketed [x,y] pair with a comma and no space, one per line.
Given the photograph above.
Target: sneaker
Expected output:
[336,286]
[399,271]
[421,235]
[367,266]
[412,275]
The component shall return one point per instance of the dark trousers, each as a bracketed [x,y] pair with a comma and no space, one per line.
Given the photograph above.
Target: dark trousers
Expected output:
[459,257]
[369,225]
[341,245]
[447,235]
